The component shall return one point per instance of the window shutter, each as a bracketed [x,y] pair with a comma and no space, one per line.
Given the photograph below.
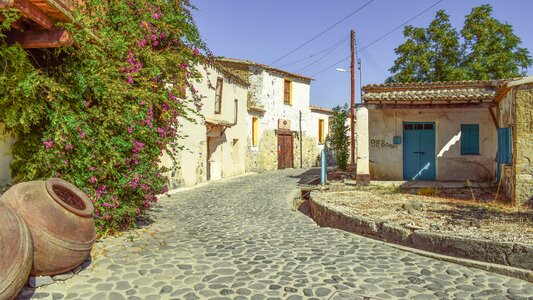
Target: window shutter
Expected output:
[469,139]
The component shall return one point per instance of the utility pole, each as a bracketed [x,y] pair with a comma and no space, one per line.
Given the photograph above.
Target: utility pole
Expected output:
[352,100]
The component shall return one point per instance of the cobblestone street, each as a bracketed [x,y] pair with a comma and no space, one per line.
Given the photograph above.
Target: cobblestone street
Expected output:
[240,239]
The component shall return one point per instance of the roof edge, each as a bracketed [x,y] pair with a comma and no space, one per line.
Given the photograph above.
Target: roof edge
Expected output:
[264,66]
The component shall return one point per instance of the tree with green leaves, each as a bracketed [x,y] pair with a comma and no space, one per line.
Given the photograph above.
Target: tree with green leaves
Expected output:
[339,139]
[486,49]
[492,49]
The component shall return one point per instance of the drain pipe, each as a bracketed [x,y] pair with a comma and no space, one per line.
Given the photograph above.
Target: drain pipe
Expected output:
[323,166]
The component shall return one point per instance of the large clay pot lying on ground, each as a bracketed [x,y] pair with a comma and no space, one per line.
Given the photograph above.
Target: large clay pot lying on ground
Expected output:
[16,252]
[59,217]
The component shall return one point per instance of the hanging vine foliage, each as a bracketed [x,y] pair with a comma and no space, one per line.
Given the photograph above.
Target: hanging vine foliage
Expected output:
[100,114]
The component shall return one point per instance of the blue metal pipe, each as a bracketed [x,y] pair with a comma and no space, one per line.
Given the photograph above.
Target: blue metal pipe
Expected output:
[323,167]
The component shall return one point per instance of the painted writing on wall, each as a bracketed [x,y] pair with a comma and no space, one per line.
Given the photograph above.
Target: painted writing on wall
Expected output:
[377,143]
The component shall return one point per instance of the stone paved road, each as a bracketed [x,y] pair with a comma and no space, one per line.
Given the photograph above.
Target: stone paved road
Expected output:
[239,239]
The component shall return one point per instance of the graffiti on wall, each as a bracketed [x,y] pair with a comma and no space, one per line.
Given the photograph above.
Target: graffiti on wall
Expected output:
[381,143]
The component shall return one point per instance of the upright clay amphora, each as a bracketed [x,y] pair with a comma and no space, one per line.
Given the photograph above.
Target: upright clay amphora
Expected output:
[16,252]
[59,217]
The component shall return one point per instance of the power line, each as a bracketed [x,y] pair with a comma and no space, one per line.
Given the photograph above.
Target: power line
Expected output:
[401,25]
[315,54]
[321,33]
[325,69]
[318,59]
[380,38]
[373,63]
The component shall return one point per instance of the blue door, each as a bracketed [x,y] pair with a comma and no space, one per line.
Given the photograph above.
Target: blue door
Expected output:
[419,151]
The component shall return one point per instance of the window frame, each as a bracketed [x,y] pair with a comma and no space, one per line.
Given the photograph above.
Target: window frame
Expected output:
[467,132]
[321,137]
[255,131]
[218,95]
[287,82]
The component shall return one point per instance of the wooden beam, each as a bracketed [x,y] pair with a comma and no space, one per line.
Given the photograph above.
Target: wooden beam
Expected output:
[431,106]
[493,117]
[33,13]
[42,39]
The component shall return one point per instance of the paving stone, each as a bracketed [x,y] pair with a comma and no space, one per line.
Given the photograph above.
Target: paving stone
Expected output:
[239,238]
[39,281]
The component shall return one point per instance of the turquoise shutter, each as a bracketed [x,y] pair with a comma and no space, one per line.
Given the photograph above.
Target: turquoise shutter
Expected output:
[470,139]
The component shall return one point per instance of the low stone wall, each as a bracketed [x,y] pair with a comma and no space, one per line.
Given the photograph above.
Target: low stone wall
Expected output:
[504,253]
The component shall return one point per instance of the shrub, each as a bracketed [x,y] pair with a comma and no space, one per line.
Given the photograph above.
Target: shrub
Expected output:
[102,113]
[339,138]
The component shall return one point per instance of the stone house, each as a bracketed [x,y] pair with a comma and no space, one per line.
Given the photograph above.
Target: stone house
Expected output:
[214,143]
[449,131]
[279,118]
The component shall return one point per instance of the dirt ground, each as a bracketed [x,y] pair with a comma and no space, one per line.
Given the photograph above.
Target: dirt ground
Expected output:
[446,211]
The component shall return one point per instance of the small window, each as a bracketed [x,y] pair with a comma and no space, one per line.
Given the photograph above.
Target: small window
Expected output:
[218,95]
[255,128]
[408,126]
[321,131]
[287,92]
[469,139]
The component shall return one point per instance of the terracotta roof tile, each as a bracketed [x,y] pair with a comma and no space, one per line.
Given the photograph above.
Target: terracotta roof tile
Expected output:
[454,91]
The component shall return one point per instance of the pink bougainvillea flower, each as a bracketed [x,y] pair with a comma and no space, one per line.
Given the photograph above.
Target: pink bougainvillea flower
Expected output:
[91,168]
[92,180]
[48,144]
[196,51]
[130,79]
[130,130]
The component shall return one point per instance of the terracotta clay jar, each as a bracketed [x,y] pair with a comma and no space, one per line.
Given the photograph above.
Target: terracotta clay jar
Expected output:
[59,216]
[16,252]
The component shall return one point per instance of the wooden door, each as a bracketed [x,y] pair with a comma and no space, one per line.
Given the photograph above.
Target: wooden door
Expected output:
[419,151]
[285,154]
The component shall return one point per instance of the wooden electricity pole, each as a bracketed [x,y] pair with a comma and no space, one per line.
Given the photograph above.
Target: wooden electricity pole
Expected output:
[352,100]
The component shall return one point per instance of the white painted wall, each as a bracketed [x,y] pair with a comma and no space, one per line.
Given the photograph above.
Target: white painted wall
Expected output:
[313,125]
[229,148]
[386,163]
[267,90]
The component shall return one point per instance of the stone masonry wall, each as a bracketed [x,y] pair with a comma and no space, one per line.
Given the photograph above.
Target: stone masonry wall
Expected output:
[523,146]
[265,157]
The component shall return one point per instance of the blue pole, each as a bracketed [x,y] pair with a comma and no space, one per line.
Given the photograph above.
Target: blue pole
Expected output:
[323,165]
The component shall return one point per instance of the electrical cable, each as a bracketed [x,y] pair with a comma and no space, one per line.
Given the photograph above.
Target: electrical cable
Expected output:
[321,33]
[378,39]
[315,54]
[318,59]
[401,25]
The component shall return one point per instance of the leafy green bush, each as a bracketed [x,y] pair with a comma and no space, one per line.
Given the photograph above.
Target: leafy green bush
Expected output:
[339,138]
[101,114]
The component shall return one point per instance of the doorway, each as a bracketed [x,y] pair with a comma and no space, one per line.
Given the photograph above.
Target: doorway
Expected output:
[285,151]
[419,151]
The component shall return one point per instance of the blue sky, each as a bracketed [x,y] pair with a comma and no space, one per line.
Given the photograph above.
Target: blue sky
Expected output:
[263,31]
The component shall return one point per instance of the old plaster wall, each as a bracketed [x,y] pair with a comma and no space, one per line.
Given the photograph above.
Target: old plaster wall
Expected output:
[386,159]
[228,147]
[523,146]
[266,90]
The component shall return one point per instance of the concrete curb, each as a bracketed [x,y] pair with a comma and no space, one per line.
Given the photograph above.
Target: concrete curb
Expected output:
[511,259]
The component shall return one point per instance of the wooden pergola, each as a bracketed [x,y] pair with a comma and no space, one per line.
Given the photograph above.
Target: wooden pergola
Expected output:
[36,27]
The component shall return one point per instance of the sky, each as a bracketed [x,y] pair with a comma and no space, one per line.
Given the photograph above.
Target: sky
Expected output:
[264,31]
